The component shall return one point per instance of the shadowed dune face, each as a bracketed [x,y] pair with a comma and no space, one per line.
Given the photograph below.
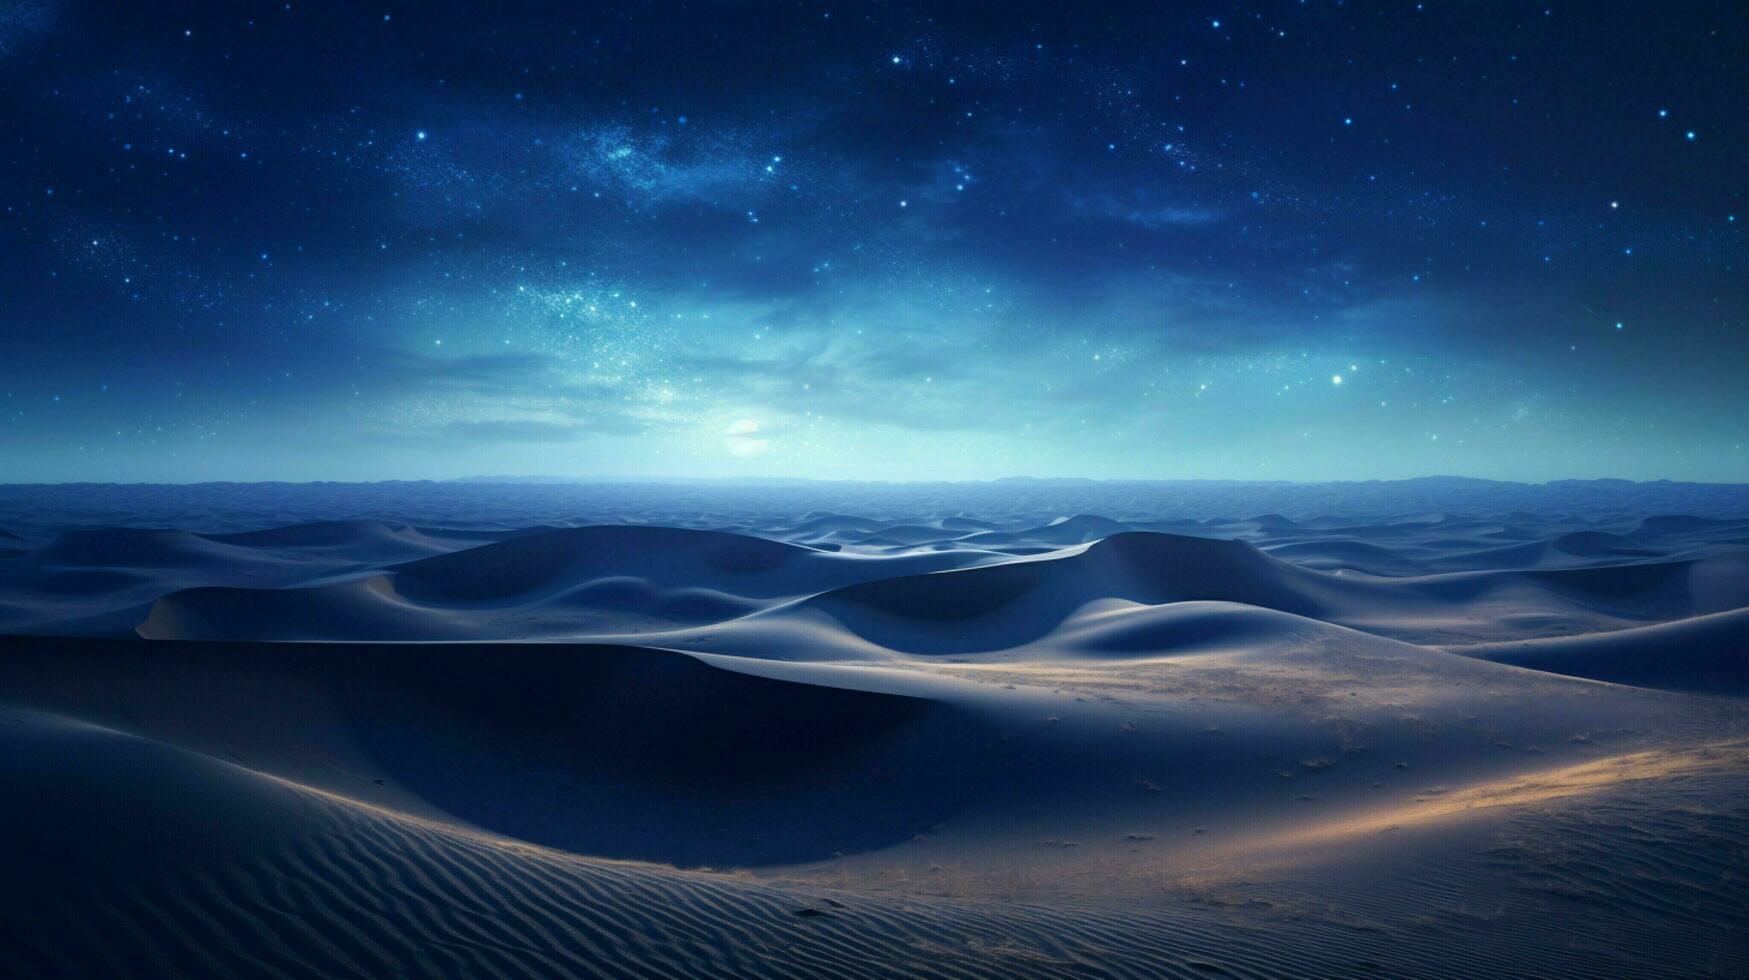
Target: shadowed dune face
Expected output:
[1180,746]
[1444,581]
[533,563]
[1705,655]
[269,878]
[80,774]
[560,583]
[346,535]
[112,547]
[597,581]
[612,751]
[635,753]
[1179,629]
[1000,606]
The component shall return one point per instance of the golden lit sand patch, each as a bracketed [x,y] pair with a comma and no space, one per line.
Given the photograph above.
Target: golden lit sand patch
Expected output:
[1529,789]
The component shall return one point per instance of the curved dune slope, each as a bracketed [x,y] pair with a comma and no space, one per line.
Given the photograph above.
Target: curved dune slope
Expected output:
[128,547]
[540,562]
[269,879]
[1329,555]
[103,581]
[1442,582]
[999,606]
[1705,655]
[672,760]
[575,583]
[358,541]
[990,607]
[563,582]
[700,760]
[344,810]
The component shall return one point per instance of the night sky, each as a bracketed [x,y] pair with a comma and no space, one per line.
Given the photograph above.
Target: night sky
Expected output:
[1295,240]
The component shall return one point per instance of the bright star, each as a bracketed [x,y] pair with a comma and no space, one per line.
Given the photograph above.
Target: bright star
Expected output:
[1336,379]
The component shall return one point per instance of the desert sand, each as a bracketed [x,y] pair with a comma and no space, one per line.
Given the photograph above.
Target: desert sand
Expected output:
[713,733]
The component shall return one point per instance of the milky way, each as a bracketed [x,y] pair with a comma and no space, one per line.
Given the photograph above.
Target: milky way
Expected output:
[1264,240]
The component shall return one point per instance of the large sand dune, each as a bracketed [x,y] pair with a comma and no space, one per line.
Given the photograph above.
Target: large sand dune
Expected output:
[933,743]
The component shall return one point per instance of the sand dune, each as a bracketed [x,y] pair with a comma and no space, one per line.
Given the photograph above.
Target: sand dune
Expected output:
[272,879]
[935,744]
[1004,605]
[566,582]
[1707,654]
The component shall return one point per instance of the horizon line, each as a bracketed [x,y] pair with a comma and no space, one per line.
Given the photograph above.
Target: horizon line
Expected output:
[551,480]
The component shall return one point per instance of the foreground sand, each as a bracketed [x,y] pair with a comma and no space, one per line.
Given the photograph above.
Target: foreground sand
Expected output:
[941,746]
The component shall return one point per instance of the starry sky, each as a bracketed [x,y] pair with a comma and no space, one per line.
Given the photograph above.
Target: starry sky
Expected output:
[1284,240]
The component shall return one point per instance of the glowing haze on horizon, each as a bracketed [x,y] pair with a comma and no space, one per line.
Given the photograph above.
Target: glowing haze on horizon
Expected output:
[1289,240]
